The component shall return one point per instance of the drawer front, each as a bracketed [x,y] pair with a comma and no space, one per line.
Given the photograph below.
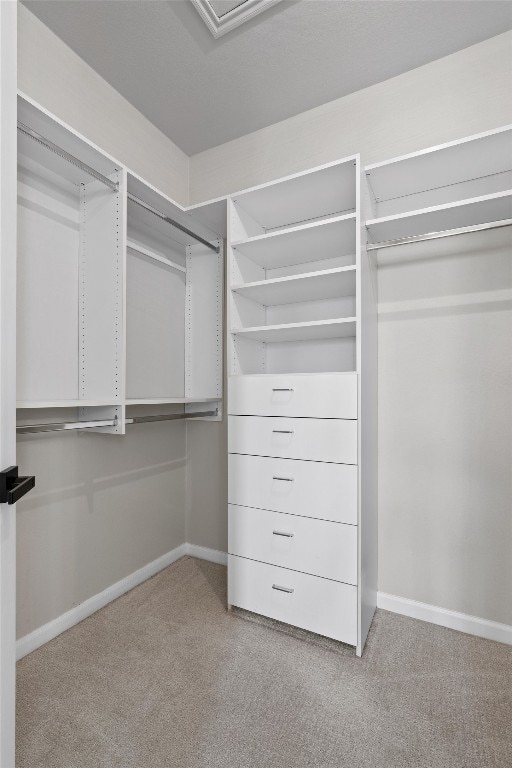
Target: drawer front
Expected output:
[317,547]
[319,395]
[319,605]
[311,439]
[307,488]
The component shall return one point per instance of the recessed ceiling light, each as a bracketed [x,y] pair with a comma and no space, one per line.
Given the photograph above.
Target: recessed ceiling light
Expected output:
[221,16]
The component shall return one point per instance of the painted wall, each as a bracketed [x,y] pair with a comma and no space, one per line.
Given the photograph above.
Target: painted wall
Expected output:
[445,346]
[103,506]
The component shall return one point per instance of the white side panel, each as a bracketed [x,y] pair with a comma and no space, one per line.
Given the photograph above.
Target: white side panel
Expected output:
[8,36]
[102,258]
[318,605]
[332,440]
[204,322]
[368,437]
[47,286]
[319,395]
[317,547]
[308,488]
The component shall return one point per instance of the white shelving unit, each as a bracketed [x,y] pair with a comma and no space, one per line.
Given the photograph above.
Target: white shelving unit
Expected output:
[116,306]
[302,404]
[465,183]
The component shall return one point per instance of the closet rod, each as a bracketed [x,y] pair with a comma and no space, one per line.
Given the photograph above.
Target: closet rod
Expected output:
[172,222]
[437,235]
[171,416]
[113,185]
[62,426]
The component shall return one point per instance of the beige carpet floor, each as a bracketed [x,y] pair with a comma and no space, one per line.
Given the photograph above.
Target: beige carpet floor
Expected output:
[165,677]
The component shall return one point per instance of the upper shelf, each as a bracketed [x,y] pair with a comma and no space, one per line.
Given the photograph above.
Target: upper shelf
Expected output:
[311,286]
[319,194]
[310,331]
[478,210]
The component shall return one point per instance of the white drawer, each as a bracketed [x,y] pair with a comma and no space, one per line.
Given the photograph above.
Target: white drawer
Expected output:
[317,395]
[319,605]
[308,488]
[312,439]
[318,547]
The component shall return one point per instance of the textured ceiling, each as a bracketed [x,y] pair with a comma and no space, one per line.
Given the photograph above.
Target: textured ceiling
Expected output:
[297,55]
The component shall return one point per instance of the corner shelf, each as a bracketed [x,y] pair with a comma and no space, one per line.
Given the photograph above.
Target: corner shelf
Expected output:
[311,331]
[36,404]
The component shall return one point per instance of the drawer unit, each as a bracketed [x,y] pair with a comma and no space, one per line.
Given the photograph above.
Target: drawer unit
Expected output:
[319,605]
[317,547]
[310,439]
[308,488]
[329,395]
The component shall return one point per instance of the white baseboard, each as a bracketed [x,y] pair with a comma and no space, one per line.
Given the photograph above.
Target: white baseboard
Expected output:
[204,553]
[491,630]
[462,622]
[47,632]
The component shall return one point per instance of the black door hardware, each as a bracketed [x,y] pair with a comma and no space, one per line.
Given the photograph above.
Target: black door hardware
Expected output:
[13,487]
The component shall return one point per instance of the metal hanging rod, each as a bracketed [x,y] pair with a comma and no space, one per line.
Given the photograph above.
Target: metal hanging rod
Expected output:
[66,425]
[437,235]
[113,185]
[172,222]
[171,417]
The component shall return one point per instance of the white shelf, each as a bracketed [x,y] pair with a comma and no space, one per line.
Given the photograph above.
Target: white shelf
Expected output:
[472,158]
[66,404]
[311,286]
[170,400]
[477,210]
[320,193]
[314,241]
[133,246]
[311,331]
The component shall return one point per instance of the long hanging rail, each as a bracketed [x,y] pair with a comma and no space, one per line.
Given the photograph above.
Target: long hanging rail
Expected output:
[64,426]
[172,222]
[113,185]
[437,235]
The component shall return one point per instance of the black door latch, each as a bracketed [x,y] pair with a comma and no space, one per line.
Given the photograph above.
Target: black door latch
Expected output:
[13,487]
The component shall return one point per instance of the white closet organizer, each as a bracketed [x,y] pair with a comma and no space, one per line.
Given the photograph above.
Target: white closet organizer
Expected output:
[119,289]
[450,189]
[302,404]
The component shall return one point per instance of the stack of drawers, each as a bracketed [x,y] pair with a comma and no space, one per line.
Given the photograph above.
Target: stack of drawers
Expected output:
[293,500]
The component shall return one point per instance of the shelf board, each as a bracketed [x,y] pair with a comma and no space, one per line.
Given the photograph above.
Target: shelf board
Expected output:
[310,331]
[66,404]
[133,246]
[315,194]
[476,210]
[314,241]
[170,400]
[474,157]
[311,286]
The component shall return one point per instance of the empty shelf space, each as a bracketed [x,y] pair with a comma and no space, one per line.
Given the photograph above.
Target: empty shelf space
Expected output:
[315,241]
[318,329]
[170,400]
[34,404]
[151,254]
[465,162]
[463,213]
[311,286]
[324,192]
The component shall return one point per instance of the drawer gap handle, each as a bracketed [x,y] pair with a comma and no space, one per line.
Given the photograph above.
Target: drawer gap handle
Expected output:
[282,389]
[283,431]
[288,590]
[282,533]
[284,479]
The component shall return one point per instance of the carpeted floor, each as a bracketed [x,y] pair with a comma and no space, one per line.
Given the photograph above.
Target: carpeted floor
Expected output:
[165,677]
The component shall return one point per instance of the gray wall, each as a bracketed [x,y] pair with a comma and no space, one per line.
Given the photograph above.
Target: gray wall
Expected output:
[445,354]
[103,506]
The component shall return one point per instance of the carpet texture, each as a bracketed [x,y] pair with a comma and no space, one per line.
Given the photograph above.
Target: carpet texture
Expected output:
[165,677]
